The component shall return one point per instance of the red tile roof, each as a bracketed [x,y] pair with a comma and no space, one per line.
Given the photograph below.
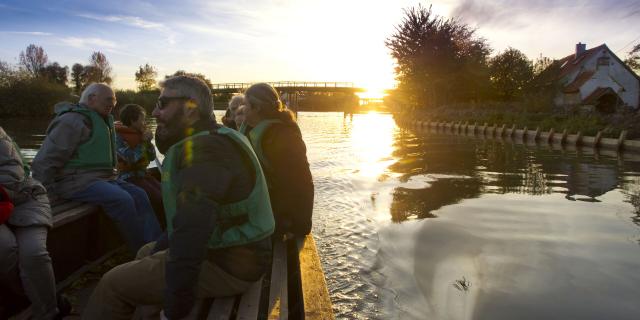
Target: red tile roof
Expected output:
[570,63]
[579,81]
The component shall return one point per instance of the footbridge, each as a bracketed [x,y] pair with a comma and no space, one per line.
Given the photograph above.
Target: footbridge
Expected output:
[291,87]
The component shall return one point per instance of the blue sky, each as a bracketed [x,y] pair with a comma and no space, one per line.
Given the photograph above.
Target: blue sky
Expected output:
[304,40]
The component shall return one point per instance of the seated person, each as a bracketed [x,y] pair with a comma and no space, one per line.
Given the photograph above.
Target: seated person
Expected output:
[135,152]
[77,161]
[25,219]
[219,219]
[277,141]
[229,117]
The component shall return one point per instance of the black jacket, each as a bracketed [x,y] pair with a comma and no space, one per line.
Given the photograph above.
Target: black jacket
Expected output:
[291,187]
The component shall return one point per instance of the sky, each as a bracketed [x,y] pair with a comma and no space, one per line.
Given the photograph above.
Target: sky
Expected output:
[292,40]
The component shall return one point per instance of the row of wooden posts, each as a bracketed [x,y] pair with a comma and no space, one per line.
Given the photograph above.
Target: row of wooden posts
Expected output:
[551,136]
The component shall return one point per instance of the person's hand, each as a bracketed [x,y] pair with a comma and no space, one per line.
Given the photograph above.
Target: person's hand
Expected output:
[147,135]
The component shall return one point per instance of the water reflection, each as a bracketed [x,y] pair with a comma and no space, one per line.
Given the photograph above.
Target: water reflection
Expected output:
[510,229]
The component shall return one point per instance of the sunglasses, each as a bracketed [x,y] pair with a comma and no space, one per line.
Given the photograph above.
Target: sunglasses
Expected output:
[164,101]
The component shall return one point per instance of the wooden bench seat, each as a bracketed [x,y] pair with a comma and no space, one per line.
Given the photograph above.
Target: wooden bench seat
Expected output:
[295,267]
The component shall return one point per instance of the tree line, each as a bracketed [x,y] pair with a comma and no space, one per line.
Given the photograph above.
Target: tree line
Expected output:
[36,84]
[442,62]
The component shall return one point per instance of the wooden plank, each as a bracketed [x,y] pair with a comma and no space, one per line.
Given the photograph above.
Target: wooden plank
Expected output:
[73,214]
[317,304]
[250,302]
[278,283]
[221,309]
[64,205]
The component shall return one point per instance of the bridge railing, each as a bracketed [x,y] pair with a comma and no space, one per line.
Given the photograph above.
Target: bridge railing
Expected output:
[279,84]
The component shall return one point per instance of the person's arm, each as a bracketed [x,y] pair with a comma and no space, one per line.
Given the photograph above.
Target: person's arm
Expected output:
[63,137]
[11,169]
[126,153]
[203,184]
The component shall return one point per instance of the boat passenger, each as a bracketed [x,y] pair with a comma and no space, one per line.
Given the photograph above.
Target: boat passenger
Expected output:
[229,117]
[25,219]
[277,141]
[135,152]
[219,219]
[77,162]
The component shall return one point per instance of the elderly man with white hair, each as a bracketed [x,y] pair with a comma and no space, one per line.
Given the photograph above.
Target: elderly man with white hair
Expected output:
[77,161]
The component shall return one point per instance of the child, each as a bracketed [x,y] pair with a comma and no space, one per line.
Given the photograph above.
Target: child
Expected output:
[135,152]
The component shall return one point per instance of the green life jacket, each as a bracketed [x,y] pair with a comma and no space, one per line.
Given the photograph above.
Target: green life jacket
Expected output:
[239,223]
[99,151]
[256,136]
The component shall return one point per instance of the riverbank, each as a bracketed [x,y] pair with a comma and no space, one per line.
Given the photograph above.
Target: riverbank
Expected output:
[589,124]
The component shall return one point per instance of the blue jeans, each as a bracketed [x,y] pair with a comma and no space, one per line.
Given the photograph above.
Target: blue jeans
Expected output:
[128,206]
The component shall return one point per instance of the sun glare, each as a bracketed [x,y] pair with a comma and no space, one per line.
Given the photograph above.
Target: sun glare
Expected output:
[372,139]
[372,93]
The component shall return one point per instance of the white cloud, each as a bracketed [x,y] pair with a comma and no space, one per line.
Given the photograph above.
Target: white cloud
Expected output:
[77,42]
[29,33]
[225,33]
[128,20]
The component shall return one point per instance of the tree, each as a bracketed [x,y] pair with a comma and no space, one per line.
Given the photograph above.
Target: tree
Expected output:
[541,64]
[33,60]
[510,71]
[196,75]
[146,77]
[633,60]
[99,69]
[56,73]
[76,77]
[438,60]
[5,74]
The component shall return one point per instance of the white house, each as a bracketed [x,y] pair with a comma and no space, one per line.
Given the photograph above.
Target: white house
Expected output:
[596,79]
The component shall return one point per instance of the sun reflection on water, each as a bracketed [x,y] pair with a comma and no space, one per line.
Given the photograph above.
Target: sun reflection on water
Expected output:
[372,142]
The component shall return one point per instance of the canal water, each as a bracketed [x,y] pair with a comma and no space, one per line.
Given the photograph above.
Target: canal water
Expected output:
[417,225]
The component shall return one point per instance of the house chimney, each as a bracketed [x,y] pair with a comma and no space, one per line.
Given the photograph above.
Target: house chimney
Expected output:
[580,49]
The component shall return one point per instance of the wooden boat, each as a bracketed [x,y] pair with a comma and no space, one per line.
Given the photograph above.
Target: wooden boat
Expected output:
[294,288]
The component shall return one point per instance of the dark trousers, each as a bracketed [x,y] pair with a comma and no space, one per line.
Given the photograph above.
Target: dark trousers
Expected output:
[152,187]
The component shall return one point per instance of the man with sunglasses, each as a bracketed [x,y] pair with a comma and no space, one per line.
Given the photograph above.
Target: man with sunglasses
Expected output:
[77,161]
[219,218]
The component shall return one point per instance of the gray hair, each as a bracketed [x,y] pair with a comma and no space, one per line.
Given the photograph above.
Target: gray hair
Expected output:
[195,89]
[236,101]
[94,89]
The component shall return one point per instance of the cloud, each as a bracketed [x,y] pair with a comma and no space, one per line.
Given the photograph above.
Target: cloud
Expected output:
[29,33]
[134,21]
[127,20]
[218,32]
[77,42]
[522,13]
